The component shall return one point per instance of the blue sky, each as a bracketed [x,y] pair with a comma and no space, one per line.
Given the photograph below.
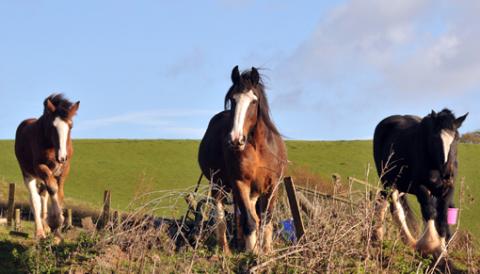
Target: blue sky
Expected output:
[160,69]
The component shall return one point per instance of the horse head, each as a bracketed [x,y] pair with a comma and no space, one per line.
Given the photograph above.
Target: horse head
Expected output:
[441,140]
[244,98]
[58,115]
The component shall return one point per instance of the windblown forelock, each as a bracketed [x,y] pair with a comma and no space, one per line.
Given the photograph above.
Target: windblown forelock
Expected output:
[259,90]
[446,119]
[62,105]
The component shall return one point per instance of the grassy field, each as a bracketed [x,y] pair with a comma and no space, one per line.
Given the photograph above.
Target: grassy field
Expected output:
[130,167]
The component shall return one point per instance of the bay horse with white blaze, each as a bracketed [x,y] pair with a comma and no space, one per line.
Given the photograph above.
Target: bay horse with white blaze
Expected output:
[242,152]
[44,149]
[418,156]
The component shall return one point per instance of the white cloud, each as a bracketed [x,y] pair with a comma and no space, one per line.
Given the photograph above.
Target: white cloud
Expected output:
[371,58]
[155,119]
[391,46]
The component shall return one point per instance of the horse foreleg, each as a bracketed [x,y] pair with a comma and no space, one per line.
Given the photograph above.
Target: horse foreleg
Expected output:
[36,204]
[442,215]
[430,241]
[265,207]
[220,220]
[248,219]
[44,197]
[55,215]
[57,206]
[268,227]
[239,234]
[400,217]
[381,207]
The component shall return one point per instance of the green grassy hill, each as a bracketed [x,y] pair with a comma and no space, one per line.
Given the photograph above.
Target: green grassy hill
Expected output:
[129,167]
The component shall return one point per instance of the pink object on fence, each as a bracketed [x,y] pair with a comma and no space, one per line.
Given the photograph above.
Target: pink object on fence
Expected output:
[452,215]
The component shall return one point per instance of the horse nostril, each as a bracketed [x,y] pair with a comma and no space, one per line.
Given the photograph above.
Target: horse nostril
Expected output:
[241,141]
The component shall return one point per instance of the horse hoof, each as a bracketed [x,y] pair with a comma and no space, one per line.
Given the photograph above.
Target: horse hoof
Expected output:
[57,239]
[40,234]
[46,227]
[54,222]
[377,236]
[226,251]
[428,246]
[267,250]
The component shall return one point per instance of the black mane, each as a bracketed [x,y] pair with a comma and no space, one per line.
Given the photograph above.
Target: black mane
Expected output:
[61,104]
[263,107]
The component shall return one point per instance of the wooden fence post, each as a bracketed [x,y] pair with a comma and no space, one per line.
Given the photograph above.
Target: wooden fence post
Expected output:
[106,207]
[69,218]
[292,200]
[11,204]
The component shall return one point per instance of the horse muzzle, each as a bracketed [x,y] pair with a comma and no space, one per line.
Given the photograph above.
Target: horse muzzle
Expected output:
[62,157]
[237,144]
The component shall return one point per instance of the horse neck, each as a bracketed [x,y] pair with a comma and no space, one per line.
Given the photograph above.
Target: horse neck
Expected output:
[41,125]
[274,149]
[261,133]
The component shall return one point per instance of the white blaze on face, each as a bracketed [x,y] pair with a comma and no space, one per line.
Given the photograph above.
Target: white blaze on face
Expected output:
[243,101]
[62,130]
[447,140]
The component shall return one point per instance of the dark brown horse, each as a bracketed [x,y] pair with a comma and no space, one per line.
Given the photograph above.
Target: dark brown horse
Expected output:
[243,152]
[44,149]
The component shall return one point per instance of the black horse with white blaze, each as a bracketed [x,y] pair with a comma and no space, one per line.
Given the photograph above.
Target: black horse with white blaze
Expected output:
[418,156]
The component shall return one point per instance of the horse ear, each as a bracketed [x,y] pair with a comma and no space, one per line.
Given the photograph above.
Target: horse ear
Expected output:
[433,114]
[254,76]
[235,75]
[73,110]
[49,106]
[459,120]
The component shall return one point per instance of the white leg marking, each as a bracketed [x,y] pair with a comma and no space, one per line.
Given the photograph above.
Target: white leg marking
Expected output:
[251,240]
[62,130]
[36,203]
[268,237]
[381,210]
[44,198]
[243,100]
[447,140]
[443,243]
[430,240]
[221,227]
[402,219]
[253,203]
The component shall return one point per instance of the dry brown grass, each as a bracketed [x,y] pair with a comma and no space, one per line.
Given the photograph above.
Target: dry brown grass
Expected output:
[337,240]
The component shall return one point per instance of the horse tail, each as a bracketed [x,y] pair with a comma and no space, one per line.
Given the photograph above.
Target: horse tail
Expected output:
[409,215]
[379,138]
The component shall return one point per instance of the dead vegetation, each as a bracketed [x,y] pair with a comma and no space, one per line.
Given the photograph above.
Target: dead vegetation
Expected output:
[337,240]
